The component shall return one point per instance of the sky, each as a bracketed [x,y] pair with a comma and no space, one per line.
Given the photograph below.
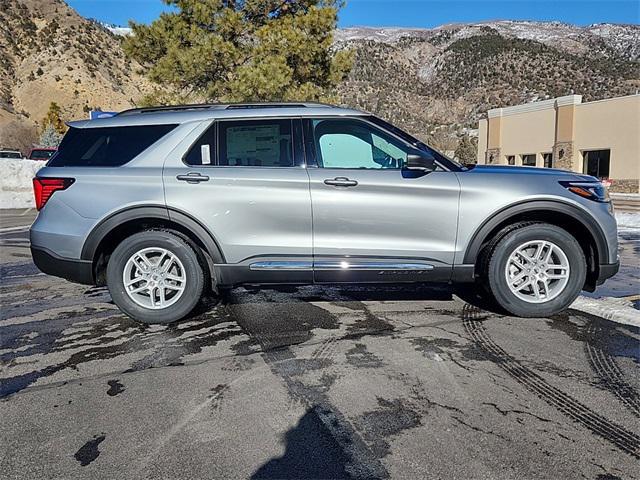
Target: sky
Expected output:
[409,13]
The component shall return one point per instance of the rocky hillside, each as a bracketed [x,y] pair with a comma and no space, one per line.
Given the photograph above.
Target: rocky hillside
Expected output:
[49,53]
[451,75]
[434,82]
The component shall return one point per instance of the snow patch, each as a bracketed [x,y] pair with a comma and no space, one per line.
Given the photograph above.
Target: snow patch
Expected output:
[628,220]
[117,29]
[16,189]
[618,310]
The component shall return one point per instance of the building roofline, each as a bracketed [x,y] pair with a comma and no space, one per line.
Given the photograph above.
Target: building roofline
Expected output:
[547,104]
[535,106]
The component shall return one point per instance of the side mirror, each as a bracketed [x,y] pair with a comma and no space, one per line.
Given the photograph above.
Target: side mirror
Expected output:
[420,162]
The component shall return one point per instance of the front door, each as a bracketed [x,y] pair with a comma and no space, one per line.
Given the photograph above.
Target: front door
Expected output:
[248,186]
[374,220]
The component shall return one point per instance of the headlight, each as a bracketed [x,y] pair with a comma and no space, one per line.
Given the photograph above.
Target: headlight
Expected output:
[595,191]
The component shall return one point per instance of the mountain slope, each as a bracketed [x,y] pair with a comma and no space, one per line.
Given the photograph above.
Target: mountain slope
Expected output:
[451,75]
[49,53]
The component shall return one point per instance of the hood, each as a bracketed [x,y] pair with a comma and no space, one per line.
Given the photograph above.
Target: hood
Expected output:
[537,171]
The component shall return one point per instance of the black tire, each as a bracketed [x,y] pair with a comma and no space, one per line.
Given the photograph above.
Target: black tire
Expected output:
[181,248]
[499,257]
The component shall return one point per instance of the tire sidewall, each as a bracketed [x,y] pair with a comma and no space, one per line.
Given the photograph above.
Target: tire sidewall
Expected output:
[181,249]
[497,265]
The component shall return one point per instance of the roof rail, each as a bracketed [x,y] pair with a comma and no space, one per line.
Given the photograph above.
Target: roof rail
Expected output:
[221,106]
[170,108]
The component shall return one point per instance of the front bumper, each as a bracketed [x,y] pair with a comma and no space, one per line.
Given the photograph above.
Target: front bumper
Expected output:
[75,270]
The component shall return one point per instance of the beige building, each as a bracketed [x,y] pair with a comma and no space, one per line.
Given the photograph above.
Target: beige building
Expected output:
[599,138]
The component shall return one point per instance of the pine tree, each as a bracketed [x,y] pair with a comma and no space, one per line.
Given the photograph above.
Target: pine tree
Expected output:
[241,50]
[50,137]
[53,117]
[466,152]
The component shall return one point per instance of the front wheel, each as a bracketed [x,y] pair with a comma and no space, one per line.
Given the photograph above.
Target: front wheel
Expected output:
[155,277]
[537,270]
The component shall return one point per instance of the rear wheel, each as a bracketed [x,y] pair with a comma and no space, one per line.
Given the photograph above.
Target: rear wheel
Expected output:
[536,270]
[155,276]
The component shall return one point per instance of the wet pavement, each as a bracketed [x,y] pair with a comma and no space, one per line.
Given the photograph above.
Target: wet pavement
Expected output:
[313,382]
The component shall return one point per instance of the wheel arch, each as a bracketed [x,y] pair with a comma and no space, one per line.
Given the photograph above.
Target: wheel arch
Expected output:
[106,235]
[573,219]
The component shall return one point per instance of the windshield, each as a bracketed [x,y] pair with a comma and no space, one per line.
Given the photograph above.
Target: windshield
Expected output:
[440,157]
[10,154]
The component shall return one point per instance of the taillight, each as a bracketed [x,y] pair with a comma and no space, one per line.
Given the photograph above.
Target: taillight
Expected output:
[43,188]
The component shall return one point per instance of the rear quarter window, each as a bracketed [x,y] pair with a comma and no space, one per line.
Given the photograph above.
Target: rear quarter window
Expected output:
[106,147]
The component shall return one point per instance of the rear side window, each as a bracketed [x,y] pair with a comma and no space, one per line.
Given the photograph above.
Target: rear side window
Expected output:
[106,147]
[203,151]
[255,143]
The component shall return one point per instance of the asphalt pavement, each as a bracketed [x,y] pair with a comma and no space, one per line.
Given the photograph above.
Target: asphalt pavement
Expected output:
[312,382]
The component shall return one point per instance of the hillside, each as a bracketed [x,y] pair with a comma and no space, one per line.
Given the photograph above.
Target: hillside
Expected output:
[434,82]
[450,76]
[50,53]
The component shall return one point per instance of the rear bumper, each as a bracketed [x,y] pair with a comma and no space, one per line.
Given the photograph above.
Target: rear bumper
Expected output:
[607,270]
[78,271]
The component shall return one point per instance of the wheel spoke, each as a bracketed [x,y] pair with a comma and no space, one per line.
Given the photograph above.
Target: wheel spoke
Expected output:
[145,261]
[167,266]
[539,249]
[162,298]
[557,276]
[536,289]
[152,296]
[517,278]
[138,290]
[525,256]
[175,278]
[547,257]
[524,285]
[133,281]
[161,258]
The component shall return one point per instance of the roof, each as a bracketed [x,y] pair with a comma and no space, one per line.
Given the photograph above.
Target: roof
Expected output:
[199,112]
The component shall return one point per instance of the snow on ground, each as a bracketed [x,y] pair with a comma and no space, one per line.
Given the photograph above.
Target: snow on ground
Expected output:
[16,189]
[628,220]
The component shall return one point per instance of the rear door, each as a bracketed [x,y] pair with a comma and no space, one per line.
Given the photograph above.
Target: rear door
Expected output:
[245,181]
[373,220]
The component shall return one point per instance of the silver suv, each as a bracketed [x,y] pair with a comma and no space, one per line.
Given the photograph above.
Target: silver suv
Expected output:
[165,204]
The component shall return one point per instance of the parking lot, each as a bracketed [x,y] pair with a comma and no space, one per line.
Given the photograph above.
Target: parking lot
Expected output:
[311,382]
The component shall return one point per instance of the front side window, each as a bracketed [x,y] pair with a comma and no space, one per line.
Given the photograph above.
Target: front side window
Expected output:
[548,160]
[348,143]
[255,143]
[106,146]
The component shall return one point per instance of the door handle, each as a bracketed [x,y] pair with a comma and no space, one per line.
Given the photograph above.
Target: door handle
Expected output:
[193,177]
[340,182]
